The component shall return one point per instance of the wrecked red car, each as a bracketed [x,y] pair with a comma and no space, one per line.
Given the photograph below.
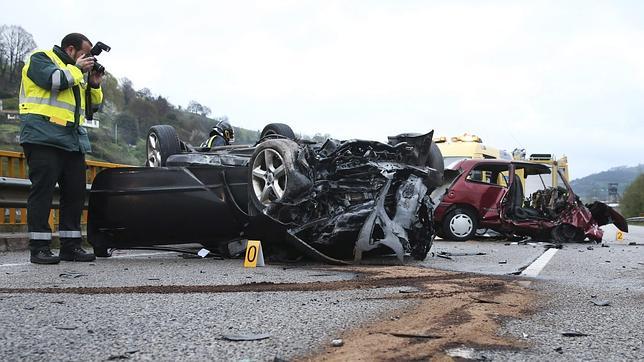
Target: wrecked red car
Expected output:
[511,197]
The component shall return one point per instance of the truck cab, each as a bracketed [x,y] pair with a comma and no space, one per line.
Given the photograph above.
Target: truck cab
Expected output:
[468,146]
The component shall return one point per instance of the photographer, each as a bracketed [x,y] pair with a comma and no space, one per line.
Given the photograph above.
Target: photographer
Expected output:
[53,95]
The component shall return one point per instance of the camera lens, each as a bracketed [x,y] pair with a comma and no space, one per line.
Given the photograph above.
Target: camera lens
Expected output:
[98,68]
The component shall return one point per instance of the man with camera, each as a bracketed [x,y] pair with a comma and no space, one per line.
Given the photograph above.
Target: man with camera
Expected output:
[56,86]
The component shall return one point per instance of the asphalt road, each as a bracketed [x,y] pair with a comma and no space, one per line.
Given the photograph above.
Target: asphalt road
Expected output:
[578,277]
[174,326]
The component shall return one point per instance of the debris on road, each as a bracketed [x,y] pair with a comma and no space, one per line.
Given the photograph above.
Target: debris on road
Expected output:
[115,357]
[409,290]
[337,342]
[601,303]
[480,300]
[125,355]
[245,337]
[203,253]
[66,328]
[413,335]
[574,334]
[71,275]
[446,253]
[442,256]
[503,261]
[465,353]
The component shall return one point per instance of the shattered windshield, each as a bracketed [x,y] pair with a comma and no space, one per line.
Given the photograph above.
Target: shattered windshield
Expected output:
[535,183]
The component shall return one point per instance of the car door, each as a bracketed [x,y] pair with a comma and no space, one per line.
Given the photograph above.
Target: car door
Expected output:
[484,188]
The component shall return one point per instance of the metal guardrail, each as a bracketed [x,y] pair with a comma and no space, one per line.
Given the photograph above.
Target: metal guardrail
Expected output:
[15,191]
[14,188]
[635,219]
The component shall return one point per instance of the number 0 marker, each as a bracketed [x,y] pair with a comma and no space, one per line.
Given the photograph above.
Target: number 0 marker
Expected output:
[254,255]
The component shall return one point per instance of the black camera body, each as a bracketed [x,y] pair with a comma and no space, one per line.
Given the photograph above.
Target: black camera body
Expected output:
[96,50]
[98,68]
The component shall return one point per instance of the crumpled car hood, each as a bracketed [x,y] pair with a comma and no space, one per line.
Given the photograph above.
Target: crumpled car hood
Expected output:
[360,197]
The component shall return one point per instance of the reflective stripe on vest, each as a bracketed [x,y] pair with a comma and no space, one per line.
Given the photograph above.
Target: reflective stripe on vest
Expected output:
[48,101]
[211,140]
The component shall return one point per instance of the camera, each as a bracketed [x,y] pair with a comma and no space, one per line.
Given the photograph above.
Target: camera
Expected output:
[96,50]
[98,68]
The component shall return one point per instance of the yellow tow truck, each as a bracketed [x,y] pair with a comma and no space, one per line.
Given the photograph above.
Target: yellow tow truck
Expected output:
[468,146]
[550,160]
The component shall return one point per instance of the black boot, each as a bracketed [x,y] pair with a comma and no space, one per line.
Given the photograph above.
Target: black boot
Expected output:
[41,254]
[76,254]
[70,250]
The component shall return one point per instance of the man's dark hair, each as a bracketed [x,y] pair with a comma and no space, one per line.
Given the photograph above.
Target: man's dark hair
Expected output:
[75,39]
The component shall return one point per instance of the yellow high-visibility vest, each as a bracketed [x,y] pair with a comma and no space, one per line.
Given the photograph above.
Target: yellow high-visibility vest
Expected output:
[58,105]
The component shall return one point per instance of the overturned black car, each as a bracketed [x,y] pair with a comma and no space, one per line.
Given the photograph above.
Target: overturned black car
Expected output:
[333,201]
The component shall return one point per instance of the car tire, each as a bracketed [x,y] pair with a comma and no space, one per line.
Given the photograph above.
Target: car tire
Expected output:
[459,224]
[436,162]
[273,174]
[277,130]
[161,143]
[566,233]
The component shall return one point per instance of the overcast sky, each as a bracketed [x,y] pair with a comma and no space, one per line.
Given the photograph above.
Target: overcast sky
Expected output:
[562,77]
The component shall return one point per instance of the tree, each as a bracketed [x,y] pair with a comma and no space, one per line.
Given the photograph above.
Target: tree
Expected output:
[197,108]
[112,92]
[16,44]
[145,93]
[128,91]
[632,203]
[3,50]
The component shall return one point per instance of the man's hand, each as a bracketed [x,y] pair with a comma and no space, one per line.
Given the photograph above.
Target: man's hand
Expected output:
[85,63]
[95,79]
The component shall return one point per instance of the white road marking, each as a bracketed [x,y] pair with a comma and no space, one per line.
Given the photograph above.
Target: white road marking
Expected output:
[112,257]
[537,266]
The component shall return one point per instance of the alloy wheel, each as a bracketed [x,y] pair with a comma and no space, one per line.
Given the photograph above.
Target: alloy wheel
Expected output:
[153,151]
[268,176]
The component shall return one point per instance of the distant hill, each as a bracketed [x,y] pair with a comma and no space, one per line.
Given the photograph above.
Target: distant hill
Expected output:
[595,186]
[125,119]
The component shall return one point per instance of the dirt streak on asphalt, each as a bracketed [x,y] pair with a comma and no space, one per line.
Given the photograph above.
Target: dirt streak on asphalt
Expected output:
[452,310]
[466,311]
[366,281]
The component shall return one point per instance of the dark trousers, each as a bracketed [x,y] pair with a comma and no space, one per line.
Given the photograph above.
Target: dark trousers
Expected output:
[48,166]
